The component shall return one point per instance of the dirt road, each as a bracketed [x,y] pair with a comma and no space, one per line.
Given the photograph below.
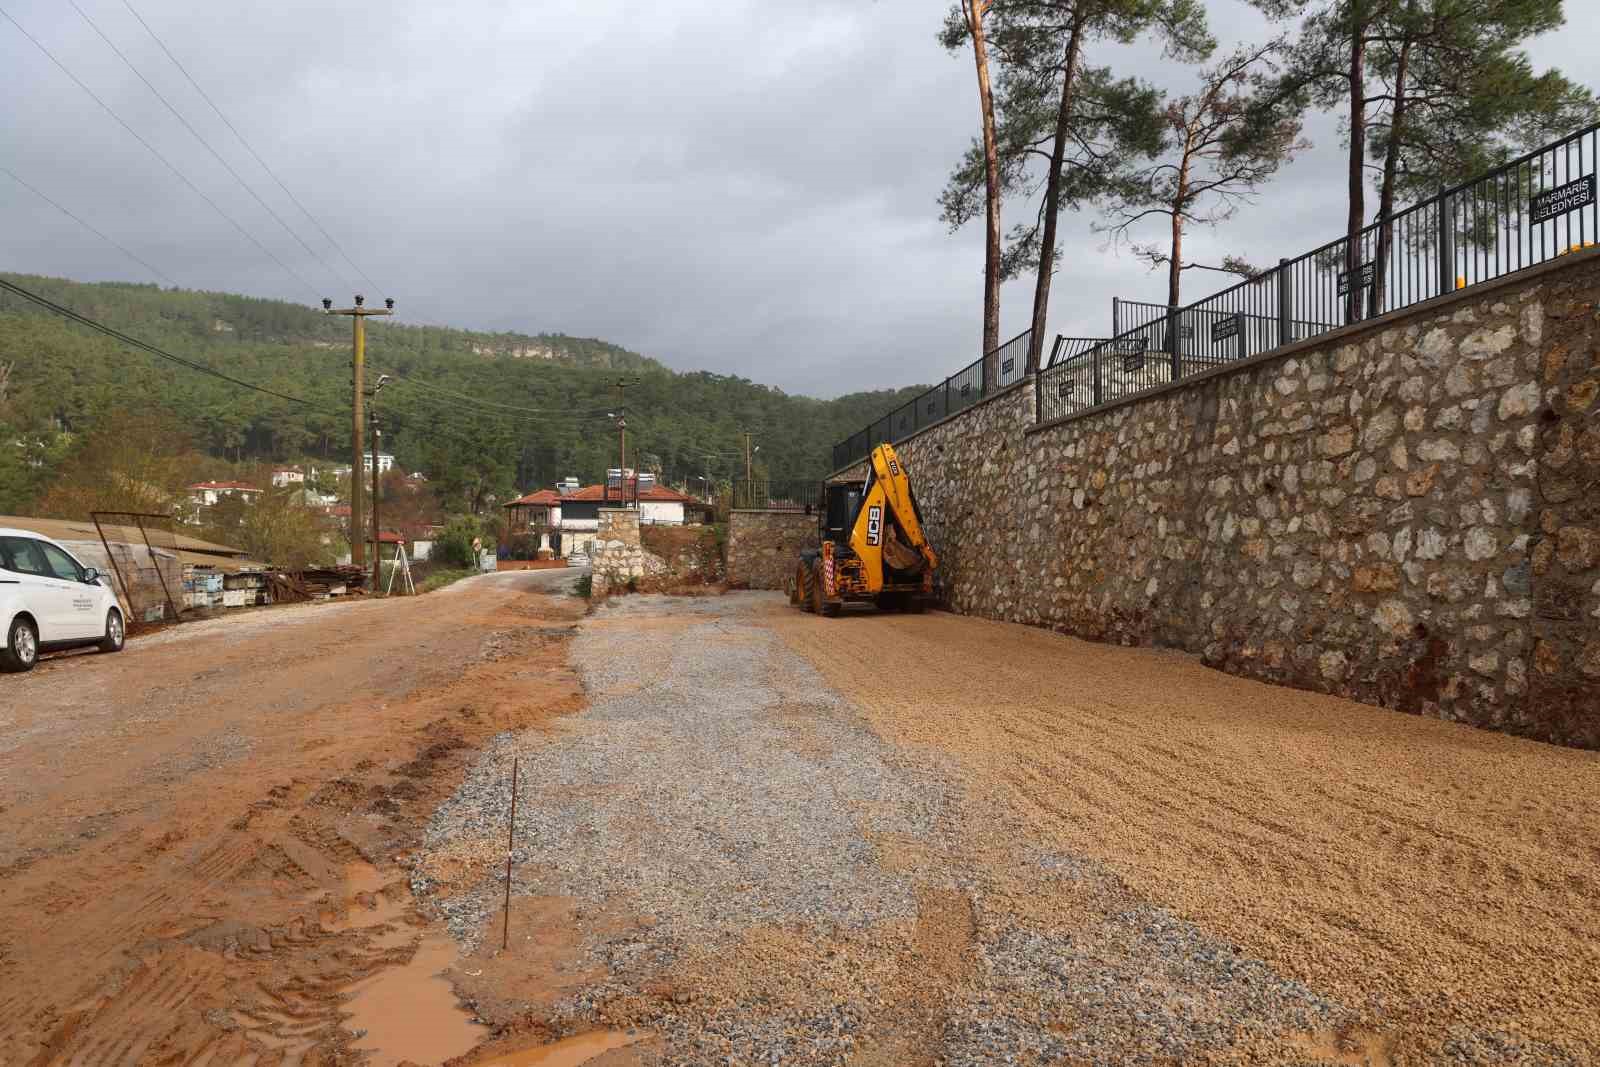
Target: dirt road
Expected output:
[197,862]
[750,836]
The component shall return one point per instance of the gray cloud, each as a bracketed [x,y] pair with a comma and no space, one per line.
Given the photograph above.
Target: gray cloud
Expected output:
[747,187]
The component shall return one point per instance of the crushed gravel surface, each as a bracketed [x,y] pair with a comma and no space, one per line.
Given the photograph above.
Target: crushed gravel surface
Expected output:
[817,879]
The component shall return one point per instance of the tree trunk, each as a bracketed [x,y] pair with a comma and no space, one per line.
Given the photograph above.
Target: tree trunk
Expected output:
[991,167]
[1391,165]
[1052,193]
[1358,153]
[1175,265]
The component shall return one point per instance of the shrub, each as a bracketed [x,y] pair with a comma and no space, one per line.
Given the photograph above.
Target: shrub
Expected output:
[454,544]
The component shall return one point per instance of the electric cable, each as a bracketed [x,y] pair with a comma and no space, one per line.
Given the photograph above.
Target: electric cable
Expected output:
[198,136]
[153,151]
[146,264]
[112,332]
[251,149]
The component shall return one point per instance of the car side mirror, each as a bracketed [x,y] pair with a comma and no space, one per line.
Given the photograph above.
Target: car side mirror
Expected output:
[91,576]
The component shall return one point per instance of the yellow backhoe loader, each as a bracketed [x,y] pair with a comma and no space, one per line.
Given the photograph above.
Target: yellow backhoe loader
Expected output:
[872,547]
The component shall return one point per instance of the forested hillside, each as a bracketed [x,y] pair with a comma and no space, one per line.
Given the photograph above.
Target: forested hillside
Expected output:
[480,413]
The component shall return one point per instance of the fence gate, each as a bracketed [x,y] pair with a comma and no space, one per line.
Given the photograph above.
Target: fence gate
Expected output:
[143,551]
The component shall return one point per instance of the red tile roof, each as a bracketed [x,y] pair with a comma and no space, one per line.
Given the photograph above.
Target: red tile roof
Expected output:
[542,498]
[226,485]
[654,495]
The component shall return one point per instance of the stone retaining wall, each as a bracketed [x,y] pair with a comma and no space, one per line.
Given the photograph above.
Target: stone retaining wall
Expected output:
[1404,512]
[763,546]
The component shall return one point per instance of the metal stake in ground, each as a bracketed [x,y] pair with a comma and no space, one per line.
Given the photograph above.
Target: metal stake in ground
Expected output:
[511,840]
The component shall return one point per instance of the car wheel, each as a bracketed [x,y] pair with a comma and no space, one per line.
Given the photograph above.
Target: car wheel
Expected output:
[112,642]
[22,647]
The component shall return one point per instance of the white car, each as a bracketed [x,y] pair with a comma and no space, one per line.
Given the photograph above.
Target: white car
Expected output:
[49,601]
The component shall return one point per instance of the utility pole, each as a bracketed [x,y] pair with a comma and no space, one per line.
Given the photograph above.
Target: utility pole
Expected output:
[377,530]
[358,362]
[622,458]
[622,442]
[377,447]
[747,457]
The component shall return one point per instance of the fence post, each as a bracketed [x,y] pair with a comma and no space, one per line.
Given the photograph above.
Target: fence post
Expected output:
[1285,304]
[1097,375]
[1173,343]
[1116,316]
[947,398]
[1447,245]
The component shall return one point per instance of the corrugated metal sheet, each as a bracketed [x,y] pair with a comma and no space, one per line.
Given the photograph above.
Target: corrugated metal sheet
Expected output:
[73,530]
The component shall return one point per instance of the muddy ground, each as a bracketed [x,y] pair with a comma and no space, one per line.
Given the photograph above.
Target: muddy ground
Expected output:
[203,848]
[747,835]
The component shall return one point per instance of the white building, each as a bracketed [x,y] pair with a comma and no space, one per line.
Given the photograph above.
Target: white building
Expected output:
[282,476]
[385,462]
[207,494]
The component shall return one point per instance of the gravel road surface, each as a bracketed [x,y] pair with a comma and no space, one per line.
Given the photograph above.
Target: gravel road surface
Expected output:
[932,840]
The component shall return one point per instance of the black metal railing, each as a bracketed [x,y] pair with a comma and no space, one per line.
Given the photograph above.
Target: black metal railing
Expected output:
[1528,211]
[961,390]
[797,494]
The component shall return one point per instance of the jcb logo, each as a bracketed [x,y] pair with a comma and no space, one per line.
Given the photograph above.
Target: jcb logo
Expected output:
[874,525]
[894,468]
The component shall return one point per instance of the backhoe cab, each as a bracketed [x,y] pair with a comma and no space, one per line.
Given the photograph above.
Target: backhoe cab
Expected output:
[873,548]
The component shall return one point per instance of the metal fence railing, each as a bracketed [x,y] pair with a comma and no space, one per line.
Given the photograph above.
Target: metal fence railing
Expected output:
[777,494]
[961,390]
[1525,212]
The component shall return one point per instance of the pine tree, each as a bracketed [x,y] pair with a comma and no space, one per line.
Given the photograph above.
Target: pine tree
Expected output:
[1219,151]
[1068,132]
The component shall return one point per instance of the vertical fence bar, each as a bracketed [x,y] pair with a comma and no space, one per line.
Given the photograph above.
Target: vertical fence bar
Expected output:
[1285,303]
[1175,349]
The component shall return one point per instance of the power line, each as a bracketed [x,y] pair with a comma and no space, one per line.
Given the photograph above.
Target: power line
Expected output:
[201,138]
[137,259]
[248,147]
[112,332]
[153,151]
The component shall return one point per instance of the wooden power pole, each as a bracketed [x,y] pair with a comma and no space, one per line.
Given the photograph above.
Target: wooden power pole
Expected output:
[358,363]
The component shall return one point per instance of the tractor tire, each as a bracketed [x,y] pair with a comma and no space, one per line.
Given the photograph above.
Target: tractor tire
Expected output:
[820,604]
[794,588]
[891,602]
[802,586]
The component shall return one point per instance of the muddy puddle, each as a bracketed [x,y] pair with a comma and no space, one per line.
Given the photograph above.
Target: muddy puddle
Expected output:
[410,1012]
[570,1052]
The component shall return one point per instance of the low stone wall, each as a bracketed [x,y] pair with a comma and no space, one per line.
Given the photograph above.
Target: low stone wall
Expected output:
[1403,512]
[763,546]
[687,553]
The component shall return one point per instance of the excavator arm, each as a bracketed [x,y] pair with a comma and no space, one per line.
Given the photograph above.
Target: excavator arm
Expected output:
[887,531]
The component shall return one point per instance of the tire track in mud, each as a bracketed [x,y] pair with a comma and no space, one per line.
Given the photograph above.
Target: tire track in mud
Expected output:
[226,921]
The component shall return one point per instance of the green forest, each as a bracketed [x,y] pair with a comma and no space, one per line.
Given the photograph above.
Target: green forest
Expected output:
[483,415]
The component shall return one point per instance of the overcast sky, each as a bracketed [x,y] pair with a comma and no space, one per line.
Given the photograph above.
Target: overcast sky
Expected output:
[747,187]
